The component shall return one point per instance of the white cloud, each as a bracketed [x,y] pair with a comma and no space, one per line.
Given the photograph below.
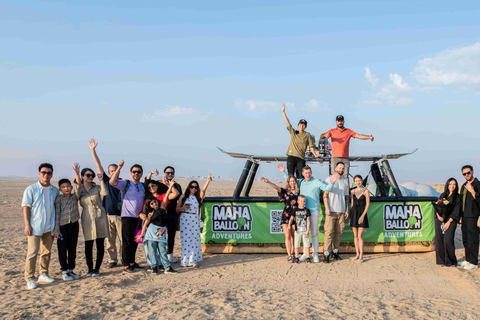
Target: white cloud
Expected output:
[451,66]
[175,113]
[370,77]
[263,106]
[315,106]
[396,93]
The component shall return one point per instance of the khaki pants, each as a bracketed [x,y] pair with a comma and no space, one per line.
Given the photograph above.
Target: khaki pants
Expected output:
[335,222]
[43,244]
[115,229]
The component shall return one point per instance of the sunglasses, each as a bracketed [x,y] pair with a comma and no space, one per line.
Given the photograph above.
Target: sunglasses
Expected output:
[194,187]
[152,186]
[136,171]
[89,175]
[169,172]
[46,173]
[467,173]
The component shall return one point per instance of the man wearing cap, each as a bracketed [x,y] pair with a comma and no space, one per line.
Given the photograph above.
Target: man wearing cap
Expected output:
[341,143]
[299,140]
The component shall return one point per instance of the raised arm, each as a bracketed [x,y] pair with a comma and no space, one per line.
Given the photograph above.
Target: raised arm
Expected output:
[78,180]
[103,186]
[205,186]
[285,116]
[167,194]
[114,178]
[273,185]
[149,176]
[363,137]
[93,146]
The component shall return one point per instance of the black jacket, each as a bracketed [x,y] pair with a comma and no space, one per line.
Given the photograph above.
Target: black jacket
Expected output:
[471,209]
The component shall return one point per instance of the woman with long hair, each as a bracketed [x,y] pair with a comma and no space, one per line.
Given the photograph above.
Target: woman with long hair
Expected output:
[189,207]
[93,217]
[446,225]
[358,215]
[287,195]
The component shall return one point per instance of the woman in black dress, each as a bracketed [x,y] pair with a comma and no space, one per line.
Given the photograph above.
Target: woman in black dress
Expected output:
[445,226]
[289,197]
[358,214]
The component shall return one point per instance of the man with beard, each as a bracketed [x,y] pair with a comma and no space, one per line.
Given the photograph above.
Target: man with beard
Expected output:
[470,197]
[341,143]
[336,211]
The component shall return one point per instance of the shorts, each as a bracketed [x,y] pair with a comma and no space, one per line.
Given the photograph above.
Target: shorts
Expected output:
[298,239]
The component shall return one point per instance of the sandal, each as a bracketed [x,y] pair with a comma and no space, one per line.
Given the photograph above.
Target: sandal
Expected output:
[290,259]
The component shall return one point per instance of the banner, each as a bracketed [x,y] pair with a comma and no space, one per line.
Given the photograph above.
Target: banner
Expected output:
[260,222]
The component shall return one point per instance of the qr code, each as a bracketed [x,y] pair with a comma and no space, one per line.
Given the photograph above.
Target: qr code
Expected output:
[276,221]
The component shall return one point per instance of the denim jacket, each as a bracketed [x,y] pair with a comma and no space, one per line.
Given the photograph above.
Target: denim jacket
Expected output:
[33,198]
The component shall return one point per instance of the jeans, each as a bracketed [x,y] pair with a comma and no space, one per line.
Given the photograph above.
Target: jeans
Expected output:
[156,253]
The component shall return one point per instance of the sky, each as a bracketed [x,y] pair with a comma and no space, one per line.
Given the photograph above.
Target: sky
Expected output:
[159,83]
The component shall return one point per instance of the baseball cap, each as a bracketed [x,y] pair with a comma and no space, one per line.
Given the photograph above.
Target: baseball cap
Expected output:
[340,118]
[303,121]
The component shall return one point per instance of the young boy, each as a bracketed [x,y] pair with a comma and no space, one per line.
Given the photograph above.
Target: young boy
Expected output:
[66,222]
[302,227]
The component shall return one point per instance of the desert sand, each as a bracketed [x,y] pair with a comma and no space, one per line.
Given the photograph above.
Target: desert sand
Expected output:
[246,286]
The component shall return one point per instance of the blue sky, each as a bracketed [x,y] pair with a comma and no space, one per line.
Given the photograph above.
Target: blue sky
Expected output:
[163,84]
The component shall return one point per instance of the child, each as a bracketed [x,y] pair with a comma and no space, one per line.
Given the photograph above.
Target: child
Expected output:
[66,228]
[154,232]
[301,216]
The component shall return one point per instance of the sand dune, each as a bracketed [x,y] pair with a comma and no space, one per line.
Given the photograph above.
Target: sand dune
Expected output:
[248,286]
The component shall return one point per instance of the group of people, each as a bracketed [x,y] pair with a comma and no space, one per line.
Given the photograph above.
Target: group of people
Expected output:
[300,217]
[125,210]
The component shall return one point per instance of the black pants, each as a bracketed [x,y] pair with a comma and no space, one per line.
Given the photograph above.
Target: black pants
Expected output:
[129,246]
[295,164]
[172,229]
[445,244]
[470,234]
[89,253]
[67,246]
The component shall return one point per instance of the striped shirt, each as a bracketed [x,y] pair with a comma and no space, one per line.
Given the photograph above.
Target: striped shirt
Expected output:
[67,210]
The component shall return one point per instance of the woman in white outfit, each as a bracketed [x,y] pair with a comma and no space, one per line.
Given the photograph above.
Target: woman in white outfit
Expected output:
[188,206]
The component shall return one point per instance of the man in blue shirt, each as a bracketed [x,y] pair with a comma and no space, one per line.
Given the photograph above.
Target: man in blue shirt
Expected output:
[39,215]
[310,188]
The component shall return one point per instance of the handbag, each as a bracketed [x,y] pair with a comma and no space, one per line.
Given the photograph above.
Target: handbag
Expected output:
[138,231]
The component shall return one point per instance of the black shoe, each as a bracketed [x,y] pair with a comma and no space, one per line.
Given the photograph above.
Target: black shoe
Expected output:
[154,270]
[128,269]
[170,270]
[136,267]
[296,260]
[112,265]
[326,259]
[161,268]
[308,260]
[95,273]
[336,256]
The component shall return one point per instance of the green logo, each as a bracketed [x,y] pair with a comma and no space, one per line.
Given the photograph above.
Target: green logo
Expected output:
[411,221]
[241,222]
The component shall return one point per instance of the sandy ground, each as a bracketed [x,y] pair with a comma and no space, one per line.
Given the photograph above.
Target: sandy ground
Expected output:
[247,286]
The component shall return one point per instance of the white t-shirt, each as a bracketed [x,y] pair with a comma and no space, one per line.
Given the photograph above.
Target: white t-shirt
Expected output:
[48,210]
[336,197]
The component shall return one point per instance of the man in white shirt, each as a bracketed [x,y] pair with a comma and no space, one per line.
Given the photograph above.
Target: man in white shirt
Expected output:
[39,216]
[336,211]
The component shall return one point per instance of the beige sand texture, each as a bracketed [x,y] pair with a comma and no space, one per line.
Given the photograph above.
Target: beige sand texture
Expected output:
[247,286]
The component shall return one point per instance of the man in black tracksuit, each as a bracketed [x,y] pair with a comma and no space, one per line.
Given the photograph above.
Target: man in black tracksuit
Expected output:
[470,196]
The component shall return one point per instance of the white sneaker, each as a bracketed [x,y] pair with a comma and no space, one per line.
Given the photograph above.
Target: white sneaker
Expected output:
[45,278]
[303,257]
[470,267]
[73,275]
[171,258]
[464,263]
[31,284]
[66,276]
[315,258]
